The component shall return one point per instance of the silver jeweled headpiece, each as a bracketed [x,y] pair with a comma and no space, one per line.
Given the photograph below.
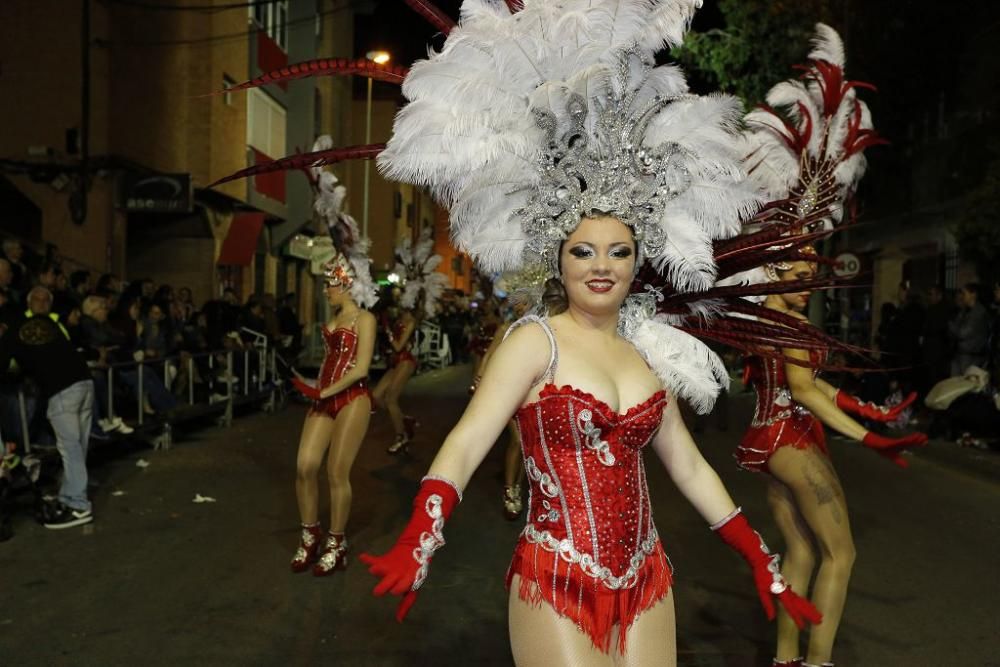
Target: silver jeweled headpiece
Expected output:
[610,172]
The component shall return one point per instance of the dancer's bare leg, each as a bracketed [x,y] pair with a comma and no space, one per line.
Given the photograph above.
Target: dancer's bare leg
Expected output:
[539,637]
[349,430]
[819,498]
[313,443]
[798,562]
[378,393]
[652,639]
[401,375]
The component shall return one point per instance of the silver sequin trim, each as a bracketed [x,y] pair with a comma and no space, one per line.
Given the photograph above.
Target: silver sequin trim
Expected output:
[592,438]
[447,481]
[429,542]
[564,548]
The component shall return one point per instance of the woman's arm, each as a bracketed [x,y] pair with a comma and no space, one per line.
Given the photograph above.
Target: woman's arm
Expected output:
[515,367]
[815,398]
[695,479]
[363,357]
[703,489]
[828,389]
[404,336]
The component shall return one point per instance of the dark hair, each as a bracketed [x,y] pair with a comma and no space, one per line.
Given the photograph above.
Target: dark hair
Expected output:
[48,265]
[554,297]
[104,283]
[163,293]
[974,288]
[78,278]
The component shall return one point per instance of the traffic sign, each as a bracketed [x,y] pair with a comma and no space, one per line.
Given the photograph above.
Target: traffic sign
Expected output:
[847,265]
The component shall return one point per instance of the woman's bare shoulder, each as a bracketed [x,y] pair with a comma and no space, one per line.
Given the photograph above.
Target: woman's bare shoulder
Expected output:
[527,342]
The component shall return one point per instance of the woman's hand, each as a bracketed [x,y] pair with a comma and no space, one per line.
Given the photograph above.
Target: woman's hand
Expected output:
[892,448]
[306,389]
[403,569]
[878,413]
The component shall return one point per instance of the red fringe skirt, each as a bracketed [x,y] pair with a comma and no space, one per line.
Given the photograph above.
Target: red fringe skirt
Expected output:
[592,606]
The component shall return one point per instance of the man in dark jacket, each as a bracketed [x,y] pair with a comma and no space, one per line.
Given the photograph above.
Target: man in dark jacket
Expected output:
[971,331]
[42,350]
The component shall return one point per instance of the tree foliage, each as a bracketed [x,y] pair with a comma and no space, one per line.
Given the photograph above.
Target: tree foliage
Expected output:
[756,47]
[978,228]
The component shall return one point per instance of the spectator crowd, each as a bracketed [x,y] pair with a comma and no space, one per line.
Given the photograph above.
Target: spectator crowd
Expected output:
[70,347]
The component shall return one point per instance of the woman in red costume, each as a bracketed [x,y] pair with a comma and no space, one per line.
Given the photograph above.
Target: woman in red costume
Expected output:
[336,422]
[402,365]
[786,442]
[589,576]
[486,331]
[338,418]
[550,135]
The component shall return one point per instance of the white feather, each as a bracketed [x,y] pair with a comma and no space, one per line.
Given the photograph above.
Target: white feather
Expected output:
[686,366]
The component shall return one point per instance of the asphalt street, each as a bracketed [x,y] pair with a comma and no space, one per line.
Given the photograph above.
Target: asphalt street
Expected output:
[161,580]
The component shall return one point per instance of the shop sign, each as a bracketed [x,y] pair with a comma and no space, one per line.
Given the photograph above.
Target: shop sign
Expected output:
[159,193]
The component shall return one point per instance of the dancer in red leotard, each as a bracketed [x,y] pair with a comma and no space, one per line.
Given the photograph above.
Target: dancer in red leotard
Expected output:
[786,442]
[337,421]
[421,291]
[402,365]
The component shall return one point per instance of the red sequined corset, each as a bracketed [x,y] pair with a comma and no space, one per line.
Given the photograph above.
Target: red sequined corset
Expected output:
[778,420]
[589,548]
[341,351]
[588,495]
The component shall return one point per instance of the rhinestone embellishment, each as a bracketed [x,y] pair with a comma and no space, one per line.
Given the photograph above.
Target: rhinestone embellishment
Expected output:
[429,541]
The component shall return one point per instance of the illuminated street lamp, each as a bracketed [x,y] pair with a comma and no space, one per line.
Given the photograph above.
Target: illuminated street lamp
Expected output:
[379,58]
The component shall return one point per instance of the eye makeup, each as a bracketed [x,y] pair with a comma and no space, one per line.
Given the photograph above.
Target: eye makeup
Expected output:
[586,251]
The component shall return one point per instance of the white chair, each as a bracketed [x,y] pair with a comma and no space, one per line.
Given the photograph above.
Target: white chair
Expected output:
[434,350]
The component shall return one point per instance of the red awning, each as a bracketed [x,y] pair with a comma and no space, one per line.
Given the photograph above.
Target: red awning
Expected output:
[241,242]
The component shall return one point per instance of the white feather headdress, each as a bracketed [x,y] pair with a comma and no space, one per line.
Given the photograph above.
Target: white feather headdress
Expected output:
[417,265]
[351,259]
[525,122]
[808,143]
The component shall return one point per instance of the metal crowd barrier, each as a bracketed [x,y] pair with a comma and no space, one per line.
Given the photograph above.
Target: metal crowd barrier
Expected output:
[253,385]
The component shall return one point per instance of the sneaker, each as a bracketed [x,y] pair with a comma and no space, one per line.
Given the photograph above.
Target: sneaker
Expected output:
[67,517]
[106,425]
[119,425]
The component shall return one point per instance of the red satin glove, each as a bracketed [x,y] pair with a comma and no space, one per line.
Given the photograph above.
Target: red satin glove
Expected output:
[404,567]
[892,448]
[306,389]
[878,413]
[735,531]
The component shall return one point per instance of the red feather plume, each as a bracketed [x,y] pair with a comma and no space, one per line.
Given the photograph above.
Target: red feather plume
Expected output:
[324,67]
[434,16]
[306,160]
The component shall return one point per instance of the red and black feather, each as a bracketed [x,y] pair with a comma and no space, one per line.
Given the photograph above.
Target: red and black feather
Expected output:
[324,67]
[306,160]
[434,16]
